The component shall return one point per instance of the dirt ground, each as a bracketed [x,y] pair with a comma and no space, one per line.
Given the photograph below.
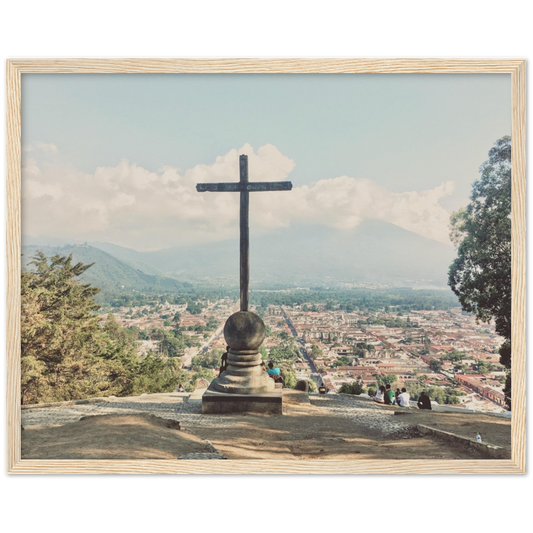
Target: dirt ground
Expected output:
[304,431]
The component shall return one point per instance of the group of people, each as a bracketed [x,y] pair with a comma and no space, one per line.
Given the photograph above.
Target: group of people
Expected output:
[402,398]
[386,395]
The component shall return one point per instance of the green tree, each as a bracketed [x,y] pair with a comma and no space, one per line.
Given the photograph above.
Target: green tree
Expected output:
[386,380]
[285,351]
[171,345]
[454,356]
[65,353]
[205,373]
[481,274]
[352,388]
[427,344]
[195,308]
[63,350]
[316,352]
[312,385]
[210,359]
[154,374]
[435,365]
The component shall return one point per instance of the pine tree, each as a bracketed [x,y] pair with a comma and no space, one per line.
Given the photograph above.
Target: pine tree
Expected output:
[67,354]
[61,339]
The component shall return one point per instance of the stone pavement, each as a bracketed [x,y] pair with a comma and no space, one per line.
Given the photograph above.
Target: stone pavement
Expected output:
[172,406]
[186,408]
[176,406]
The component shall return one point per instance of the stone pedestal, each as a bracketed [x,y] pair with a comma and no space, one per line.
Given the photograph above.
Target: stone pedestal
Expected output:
[244,386]
[215,402]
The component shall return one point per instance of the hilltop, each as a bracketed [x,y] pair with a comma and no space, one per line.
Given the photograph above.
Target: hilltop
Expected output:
[325,427]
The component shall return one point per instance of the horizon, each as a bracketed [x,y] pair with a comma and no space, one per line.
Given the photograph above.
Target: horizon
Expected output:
[78,131]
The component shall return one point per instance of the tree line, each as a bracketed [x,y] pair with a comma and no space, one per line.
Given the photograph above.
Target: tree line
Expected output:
[390,300]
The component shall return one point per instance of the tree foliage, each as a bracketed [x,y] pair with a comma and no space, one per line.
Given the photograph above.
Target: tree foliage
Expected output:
[386,380]
[442,396]
[352,388]
[285,351]
[481,274]
[65,353]
[454,356]
[210,359]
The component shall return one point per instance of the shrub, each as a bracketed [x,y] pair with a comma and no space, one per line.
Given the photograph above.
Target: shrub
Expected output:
[352,388]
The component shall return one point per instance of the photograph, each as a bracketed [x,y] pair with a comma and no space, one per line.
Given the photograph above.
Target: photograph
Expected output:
[313,270]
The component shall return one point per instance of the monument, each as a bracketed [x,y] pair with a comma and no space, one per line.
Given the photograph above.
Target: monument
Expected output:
[243,386]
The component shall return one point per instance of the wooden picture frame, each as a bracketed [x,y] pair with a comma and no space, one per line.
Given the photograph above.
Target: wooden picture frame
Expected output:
[515,67]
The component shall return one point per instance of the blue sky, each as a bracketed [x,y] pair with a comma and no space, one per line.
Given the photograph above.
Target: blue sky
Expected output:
[403,133]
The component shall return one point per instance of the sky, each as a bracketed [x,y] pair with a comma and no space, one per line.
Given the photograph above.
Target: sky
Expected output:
[116,157]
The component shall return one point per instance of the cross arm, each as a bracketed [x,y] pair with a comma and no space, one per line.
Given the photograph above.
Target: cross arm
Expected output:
[247,186]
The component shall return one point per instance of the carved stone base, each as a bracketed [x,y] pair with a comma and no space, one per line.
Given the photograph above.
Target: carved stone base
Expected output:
[244,376]
[216,402]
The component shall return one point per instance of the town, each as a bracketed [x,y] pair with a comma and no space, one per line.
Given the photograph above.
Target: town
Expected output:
[444,352]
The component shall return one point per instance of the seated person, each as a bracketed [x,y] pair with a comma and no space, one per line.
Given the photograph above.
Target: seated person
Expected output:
[389,395]
[272,370]
[275,373]
[423,401]
[224,362]
[404,398]
[380,394]
[322,389]
[396,394]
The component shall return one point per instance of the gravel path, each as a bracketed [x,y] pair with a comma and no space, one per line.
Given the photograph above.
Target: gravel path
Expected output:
[172,406]
[366,414]
[330,425]
[176,406]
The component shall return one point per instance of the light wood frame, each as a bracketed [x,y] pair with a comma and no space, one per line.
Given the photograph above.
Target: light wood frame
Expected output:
[515,67]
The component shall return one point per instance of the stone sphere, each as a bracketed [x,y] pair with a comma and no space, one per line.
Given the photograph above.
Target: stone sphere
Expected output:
[244,330]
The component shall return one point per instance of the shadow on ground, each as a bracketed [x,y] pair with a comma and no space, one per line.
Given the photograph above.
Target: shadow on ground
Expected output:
[329,427]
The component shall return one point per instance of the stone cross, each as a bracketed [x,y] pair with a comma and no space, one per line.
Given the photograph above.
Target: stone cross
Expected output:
[245,187]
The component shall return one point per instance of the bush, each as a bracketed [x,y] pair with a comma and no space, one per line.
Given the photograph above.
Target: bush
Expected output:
[352,388]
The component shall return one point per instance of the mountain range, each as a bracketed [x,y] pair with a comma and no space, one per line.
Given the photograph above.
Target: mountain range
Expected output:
[108,272]
[374,252]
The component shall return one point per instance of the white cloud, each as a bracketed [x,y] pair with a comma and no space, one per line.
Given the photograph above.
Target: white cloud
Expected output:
[344,202]
[131,206]
[40,146]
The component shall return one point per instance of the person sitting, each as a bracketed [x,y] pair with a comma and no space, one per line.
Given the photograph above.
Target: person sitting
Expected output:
[322,389]
[389,395]
[396,394]
[380,394]
[404,398]
[275,373]
[423,401]
[273,370]
[224,362]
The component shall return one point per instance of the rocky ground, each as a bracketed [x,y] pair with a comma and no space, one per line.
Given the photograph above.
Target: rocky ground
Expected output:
[330,426]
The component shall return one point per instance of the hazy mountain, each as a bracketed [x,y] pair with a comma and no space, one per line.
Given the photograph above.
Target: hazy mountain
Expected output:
[108,272]
[375,252]
[128,256]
